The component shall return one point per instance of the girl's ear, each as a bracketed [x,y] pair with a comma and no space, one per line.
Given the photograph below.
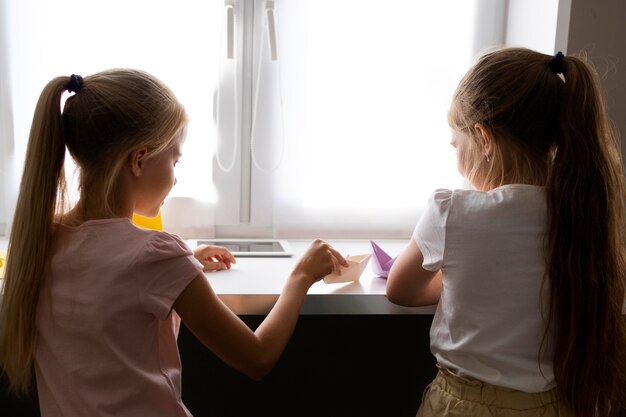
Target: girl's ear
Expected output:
[136,160]
[486,139]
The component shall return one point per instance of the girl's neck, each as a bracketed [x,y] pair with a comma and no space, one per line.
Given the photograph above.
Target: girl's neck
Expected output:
[81,213]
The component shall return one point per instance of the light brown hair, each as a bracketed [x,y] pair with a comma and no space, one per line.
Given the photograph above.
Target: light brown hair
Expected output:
[114,112]
[553,130]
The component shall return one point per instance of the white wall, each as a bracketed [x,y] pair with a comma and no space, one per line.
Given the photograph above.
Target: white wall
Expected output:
[574,26]
[596,26]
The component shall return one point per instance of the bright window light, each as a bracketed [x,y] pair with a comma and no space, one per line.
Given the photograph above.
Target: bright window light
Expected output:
[345,132]
[175,41]
[378,81]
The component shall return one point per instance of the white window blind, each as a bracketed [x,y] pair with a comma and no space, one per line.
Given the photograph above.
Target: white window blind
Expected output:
[176,41]
[307,117]
[364,91]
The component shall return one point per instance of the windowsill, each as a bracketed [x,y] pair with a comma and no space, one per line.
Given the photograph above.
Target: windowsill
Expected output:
[253,285]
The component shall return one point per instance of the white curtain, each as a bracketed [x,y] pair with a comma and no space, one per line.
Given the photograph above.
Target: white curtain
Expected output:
[366,87]
[344,135]
[8,176]
[42,39]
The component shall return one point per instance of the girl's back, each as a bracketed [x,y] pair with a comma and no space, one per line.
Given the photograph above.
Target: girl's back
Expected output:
[105,322]
[488,325]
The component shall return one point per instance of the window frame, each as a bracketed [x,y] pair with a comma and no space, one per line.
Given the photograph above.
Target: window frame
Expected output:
[246,207]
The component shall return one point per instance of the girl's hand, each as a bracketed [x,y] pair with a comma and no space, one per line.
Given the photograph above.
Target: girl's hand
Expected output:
[214,258]
[319,260]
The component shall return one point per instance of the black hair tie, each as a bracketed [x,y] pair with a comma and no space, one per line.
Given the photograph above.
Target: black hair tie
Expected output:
[556,63]
[75,84]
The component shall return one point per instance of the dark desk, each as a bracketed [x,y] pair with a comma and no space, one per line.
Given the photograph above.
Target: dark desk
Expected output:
[334,365]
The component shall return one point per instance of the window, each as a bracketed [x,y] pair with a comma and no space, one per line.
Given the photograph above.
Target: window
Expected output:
[307,118]
[345,133]
[180,45]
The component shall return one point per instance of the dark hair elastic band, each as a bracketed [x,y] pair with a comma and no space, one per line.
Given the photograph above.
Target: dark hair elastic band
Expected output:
[75,84]
[556,63]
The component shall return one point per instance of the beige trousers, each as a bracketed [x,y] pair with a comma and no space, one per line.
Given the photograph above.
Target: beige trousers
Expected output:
[451,395]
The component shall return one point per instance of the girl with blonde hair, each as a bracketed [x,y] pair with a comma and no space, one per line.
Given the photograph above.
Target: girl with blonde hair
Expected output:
[528,269]
[90,300]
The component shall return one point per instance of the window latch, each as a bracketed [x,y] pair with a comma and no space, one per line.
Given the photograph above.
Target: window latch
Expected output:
[270,21]
[230,28]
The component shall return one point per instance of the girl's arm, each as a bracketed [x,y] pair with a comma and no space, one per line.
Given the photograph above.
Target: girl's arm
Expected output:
[220,330]
[409,284]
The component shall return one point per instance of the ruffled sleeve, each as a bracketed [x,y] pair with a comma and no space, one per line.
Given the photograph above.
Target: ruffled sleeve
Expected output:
[163,271]
[430,231]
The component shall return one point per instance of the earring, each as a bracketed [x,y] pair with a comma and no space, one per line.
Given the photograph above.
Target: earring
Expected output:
[488,160]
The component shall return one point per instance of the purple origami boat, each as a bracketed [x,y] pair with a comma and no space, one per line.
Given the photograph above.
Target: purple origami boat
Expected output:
[381,261]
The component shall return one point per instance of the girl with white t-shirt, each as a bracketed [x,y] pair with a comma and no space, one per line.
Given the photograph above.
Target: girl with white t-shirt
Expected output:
[92,301]
[528,269]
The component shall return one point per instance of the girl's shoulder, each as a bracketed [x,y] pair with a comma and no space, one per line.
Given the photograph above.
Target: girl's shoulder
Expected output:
[164,242]
[120,234]
[496,195]
[76,228]
[505,201]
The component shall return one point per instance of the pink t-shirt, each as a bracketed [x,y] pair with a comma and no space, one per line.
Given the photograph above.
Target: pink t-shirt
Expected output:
[107,333]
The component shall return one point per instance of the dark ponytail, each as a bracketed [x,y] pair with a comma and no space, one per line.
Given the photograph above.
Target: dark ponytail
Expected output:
[585,246]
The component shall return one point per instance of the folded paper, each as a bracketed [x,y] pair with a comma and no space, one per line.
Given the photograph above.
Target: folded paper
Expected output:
[356,266]
[381,261]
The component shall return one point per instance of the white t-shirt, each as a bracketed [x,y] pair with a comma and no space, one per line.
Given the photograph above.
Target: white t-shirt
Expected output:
[106,341]
[489,246]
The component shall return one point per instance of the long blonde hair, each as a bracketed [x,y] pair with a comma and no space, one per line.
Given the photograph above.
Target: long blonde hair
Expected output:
[553,130]
[113,112]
